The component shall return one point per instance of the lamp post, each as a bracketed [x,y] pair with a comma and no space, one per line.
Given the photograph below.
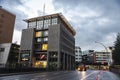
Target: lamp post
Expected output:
[106,51]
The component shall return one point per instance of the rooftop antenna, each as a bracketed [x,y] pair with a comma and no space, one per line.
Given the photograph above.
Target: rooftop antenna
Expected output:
[44,9]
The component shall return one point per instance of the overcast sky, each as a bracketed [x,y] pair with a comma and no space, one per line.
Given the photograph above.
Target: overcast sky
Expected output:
[93,20]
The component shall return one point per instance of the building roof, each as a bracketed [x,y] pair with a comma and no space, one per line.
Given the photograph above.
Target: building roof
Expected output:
[68,26]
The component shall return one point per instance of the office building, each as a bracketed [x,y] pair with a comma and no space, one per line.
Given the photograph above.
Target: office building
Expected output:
[48,42]
[102,57]
[7,21]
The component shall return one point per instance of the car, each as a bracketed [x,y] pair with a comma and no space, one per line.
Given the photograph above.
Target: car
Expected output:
[81,67]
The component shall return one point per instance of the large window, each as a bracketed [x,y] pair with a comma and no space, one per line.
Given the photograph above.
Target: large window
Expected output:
[45,33]
[45,39]
[44,47]
[32,24]
[2,49]
[54,21]
[41,64]
[39,39]
[25,56]
[38,34]
[46,23]
[40,24]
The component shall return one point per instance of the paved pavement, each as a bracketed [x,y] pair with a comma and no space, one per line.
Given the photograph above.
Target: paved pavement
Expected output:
[65,75]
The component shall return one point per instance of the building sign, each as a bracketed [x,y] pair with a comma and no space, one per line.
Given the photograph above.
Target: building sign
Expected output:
[42,57]
[25,56]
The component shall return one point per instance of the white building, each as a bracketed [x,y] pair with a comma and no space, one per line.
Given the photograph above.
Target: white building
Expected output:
[8,54]
[4,53]
[78,54]
[104,56]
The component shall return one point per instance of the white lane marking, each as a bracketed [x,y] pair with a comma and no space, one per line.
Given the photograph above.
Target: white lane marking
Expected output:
[88,75]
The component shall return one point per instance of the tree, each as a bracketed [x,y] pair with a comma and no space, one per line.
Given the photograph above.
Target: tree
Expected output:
[116,51]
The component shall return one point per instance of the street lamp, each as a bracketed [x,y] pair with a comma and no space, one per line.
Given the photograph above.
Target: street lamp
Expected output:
[102,45]
[105,49]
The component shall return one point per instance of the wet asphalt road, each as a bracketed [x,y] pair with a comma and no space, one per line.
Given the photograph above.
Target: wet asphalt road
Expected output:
[66,75]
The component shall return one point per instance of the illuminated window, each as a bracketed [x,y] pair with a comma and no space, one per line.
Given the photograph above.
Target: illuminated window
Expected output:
[46,39]
[44,46]
[45,33]
[38,34]
[39,39]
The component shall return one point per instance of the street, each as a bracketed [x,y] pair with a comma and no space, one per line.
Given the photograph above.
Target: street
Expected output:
[66,75]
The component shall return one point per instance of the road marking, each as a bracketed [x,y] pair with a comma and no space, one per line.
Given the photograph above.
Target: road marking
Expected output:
[98,76]
[88,75]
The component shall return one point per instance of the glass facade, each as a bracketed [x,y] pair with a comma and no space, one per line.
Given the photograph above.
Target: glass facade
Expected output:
[54,21]
[46,23]
[41,37]
[40,24]
[43,23]
[32,24]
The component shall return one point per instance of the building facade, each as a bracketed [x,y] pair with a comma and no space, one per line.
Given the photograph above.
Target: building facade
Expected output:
[48,42]
[7,21]
[78,54]
[102,57]
[9,54]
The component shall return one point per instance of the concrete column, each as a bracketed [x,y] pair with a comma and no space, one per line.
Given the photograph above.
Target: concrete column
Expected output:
[63,61]
[70,63]
[59,57]
[30,61]
[67,62]
[48,60]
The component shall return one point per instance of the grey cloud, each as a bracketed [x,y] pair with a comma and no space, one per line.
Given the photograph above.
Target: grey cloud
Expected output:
[88,28]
